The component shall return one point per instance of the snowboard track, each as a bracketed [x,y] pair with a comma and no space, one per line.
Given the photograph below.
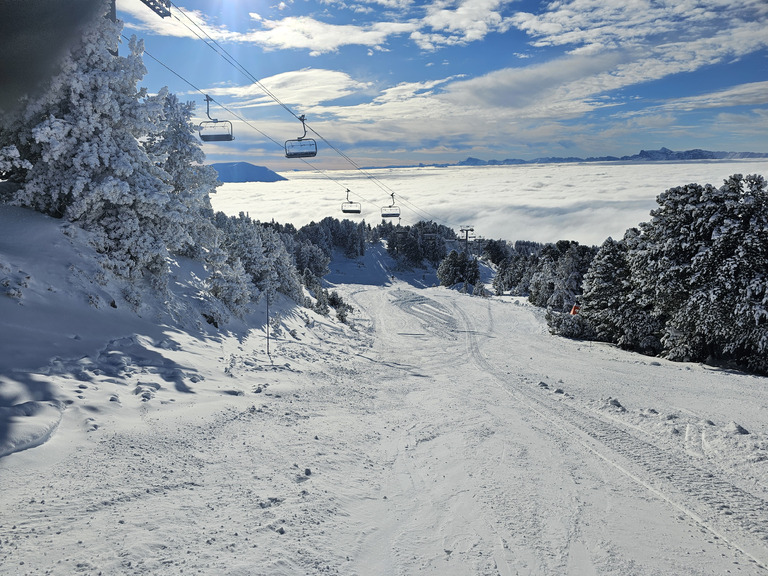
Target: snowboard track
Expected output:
[730,513]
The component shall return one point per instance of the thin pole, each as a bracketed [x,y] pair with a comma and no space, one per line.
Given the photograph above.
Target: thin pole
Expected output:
[268,324]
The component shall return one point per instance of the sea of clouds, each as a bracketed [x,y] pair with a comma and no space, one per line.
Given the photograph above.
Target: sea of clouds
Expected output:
[586,202]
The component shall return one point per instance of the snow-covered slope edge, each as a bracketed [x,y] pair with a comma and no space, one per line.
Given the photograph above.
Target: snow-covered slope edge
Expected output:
[77,340]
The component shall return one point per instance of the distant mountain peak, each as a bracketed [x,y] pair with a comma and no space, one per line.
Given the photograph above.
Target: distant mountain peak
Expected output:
[245,172]
[663,154]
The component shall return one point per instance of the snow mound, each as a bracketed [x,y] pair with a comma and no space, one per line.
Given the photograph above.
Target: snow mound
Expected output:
[28,424]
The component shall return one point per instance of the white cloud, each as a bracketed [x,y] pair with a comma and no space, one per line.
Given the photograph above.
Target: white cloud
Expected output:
[319,37]
[752,94]
[558,85]
[468,21]
[304,88]
[367,5]
[582,24]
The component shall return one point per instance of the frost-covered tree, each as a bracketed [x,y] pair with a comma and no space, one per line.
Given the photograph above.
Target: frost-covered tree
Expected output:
[495,251]
[722,312]
[228,282]
[606,287]
[568,276]
[262,254]
[80,156]
[458,268]
[542,283]
[176,150]
[662,269]
[309,258]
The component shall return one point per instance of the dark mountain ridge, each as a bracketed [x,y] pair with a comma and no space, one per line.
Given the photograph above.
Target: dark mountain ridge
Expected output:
[245,172]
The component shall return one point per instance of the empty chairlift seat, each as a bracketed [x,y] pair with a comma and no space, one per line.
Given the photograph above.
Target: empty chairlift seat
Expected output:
[300,148]
[216,131]
[351,207]
[390,211]
[213,130]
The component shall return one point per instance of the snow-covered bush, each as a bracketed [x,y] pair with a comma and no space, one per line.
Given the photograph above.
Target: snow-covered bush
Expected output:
[569,325]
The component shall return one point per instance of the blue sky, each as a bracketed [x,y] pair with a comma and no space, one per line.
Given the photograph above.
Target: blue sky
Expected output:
[407,81]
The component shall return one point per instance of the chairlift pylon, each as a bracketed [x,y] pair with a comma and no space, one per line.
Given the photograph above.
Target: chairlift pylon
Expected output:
[301,147]
[351,207]
[213,130]
[391,211]
[160,7]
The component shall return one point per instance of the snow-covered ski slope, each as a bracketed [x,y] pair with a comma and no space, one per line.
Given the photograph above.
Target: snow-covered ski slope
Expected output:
[438,433]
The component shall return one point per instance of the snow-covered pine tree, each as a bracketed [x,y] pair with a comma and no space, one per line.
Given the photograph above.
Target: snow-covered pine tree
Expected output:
[263,255]
[179,153]
[500,278]
[81,139]
[728,301]
[285,279]
[228,282]
[309,258]
[663,270]
[640,325]
[448,272]
[605,288]
[542,284]
[568,276]
[495,251]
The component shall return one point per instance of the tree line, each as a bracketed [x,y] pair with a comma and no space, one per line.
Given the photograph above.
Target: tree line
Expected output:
[690,284]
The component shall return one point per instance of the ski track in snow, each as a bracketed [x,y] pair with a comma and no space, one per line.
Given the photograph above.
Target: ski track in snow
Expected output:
[714,503]
[438,434]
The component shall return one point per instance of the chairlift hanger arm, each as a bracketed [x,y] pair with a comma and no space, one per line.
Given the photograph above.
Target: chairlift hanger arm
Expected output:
[304,126]
[208,101]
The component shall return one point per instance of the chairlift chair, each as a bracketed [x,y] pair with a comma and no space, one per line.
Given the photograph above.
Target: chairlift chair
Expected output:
[213,130]
[391,211]
[351,207]
[301,147]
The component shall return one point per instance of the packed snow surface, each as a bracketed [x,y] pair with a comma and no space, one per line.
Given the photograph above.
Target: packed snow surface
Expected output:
[436,433]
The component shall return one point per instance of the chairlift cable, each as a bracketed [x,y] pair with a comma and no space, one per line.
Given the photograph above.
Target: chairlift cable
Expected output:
[246,122]
[221,51]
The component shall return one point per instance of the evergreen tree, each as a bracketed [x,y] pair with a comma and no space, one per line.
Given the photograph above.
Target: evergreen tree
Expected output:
[606,286]
[449,272]
[727,304]
[495,251]
[179,153]
[80,156]
[568,276]
[542,283]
